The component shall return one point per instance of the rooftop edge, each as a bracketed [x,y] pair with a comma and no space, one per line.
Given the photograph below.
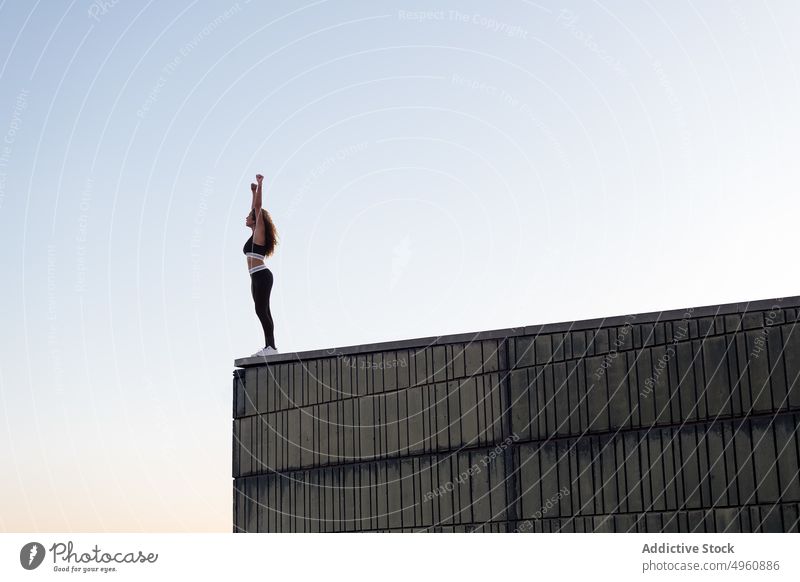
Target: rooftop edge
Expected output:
[652,316]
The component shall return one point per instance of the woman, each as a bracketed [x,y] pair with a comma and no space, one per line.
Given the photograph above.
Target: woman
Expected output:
[259,246]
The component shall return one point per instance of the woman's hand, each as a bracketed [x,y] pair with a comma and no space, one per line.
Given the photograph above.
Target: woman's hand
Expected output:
[257,193]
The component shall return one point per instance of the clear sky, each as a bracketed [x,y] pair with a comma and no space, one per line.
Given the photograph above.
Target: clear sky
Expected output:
[478,165]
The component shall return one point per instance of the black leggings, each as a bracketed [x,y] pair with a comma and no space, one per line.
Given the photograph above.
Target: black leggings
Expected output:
[261,286]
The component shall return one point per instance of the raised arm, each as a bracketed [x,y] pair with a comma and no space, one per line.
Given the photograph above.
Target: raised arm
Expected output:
[257,193]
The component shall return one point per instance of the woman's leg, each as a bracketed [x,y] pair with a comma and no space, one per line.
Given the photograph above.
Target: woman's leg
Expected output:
[261,288]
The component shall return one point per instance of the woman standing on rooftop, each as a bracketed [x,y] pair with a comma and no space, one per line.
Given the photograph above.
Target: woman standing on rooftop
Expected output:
[258,247]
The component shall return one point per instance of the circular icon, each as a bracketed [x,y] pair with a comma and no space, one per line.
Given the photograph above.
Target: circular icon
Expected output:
[31,555]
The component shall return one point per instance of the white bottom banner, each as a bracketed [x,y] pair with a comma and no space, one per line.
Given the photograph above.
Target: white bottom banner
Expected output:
[104,556]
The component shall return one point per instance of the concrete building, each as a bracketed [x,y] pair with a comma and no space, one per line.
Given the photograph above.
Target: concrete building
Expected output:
[676,421]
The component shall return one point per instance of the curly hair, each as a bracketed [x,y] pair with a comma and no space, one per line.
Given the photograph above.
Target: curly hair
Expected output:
[270,231]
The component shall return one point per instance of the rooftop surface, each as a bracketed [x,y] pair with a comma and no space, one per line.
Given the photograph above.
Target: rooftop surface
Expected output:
[652,316]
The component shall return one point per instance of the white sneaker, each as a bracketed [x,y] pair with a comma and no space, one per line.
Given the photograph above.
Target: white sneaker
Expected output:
[267,351]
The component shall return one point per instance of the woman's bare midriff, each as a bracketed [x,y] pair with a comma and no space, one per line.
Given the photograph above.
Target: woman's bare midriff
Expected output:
[251,262]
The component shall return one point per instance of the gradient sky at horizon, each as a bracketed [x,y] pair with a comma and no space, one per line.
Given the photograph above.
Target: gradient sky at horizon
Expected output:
[479,166]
